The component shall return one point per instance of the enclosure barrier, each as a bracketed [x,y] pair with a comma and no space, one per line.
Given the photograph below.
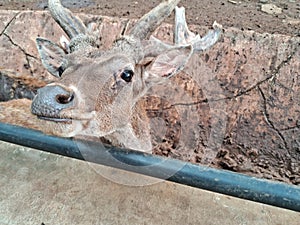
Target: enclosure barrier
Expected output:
[220,181]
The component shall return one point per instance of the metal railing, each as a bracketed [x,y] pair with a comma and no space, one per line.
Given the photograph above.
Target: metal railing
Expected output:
[220,181]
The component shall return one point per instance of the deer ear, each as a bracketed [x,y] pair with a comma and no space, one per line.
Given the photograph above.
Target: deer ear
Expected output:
[53,56]
[168,63]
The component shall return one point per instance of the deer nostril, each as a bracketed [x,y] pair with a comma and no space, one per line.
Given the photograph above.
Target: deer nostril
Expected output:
[64,98]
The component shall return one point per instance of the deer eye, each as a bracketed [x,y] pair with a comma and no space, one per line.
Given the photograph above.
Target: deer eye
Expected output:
[127,75]
[60,71]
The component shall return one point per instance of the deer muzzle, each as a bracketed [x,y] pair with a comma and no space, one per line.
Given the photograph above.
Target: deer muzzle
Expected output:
[50,101]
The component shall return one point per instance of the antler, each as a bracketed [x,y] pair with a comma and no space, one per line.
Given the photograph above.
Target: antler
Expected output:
[149,22]
[64,17]
[183,37]
[79,34]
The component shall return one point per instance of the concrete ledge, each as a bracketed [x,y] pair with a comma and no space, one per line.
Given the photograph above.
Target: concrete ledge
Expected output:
[41,188]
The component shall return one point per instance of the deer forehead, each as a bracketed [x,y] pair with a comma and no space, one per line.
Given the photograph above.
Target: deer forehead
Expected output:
[95,71]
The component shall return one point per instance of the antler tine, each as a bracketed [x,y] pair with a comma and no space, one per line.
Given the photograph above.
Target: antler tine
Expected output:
[64,17]
[150,21]
[183,36]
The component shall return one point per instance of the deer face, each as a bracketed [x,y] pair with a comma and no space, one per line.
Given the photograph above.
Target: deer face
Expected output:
[98,90]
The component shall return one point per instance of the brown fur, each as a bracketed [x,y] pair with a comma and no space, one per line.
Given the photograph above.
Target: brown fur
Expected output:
[17,112]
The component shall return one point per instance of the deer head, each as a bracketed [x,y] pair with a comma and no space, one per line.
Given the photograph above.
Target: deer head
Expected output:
[98,91]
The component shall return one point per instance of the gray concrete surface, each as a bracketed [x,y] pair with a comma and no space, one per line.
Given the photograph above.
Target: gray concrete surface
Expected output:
[40,188]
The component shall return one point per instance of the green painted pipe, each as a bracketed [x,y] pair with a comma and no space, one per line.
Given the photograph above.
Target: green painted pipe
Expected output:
[221,181]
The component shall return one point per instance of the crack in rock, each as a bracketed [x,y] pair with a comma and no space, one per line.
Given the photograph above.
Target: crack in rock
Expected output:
[291,128]
[9,23]
[268,120]
[28,65]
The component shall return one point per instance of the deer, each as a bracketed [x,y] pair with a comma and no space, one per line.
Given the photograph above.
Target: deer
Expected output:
[98,91]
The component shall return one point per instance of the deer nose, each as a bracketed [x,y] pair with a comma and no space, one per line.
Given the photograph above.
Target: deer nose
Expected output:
[51,100]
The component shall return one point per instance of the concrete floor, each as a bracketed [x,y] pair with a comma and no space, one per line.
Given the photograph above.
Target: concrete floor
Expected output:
[40,188]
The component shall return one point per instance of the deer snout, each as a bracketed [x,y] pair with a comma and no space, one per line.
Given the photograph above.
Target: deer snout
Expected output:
[50,101]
